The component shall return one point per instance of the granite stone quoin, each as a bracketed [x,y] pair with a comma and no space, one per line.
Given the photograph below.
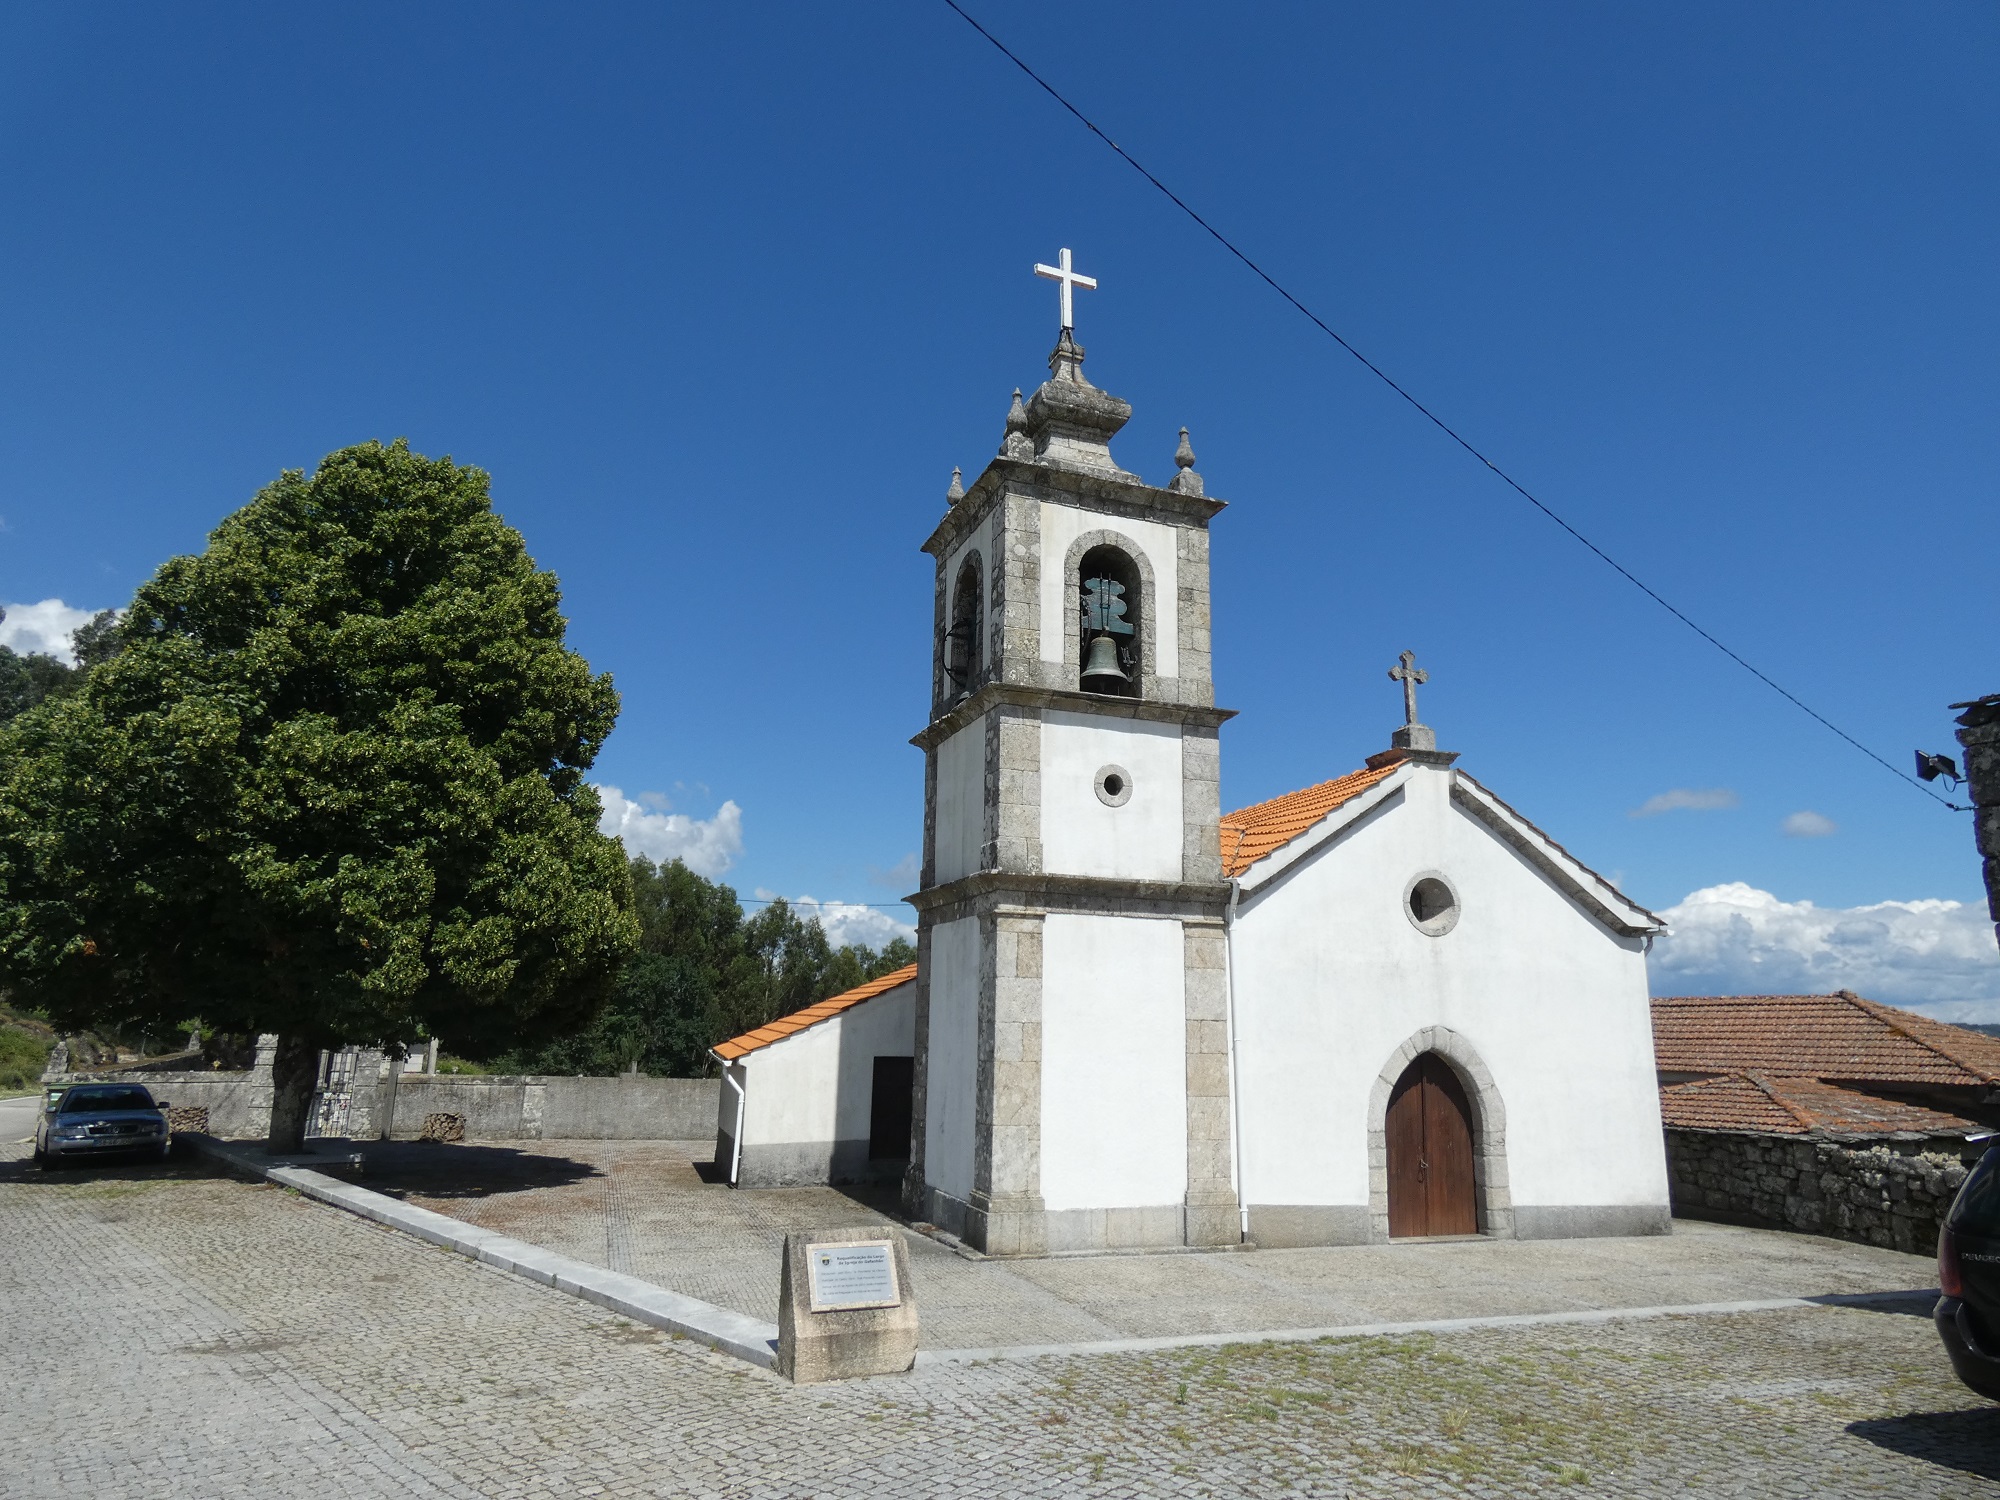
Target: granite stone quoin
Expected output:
[1894,1195]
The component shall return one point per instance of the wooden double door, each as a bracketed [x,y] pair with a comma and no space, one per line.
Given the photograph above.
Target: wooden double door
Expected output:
[1431,1186]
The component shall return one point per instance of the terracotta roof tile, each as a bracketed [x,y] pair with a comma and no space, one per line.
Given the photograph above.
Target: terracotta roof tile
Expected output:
[1252,832]
[1759,1104]
[1839,1036]
[812,1015]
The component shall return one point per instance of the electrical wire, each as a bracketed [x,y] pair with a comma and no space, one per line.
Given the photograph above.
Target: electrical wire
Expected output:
[1442,426]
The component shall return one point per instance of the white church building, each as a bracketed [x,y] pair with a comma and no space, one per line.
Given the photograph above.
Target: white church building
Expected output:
[1385,1006]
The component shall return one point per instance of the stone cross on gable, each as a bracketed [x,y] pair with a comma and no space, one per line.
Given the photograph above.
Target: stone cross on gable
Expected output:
[1067,280]
[1409,674]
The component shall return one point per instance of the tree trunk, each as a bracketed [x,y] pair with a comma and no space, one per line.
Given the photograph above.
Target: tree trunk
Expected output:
[294,1072]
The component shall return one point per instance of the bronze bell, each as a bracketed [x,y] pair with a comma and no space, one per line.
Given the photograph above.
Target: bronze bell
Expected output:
[1103,661]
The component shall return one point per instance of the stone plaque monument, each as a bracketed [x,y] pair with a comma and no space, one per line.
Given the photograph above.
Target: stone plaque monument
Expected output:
[845,1305]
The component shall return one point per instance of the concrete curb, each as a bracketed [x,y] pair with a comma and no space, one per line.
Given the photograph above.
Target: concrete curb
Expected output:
[1434,1325]
[718,1328]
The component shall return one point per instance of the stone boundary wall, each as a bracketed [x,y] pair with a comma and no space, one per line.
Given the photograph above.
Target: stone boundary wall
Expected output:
[1892,1194]
[630,1107]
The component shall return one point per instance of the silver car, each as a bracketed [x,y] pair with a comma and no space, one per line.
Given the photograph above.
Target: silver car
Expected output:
[90,1120]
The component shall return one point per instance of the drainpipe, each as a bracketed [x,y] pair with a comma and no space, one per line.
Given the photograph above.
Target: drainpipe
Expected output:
[1235,1082]
[736,1139]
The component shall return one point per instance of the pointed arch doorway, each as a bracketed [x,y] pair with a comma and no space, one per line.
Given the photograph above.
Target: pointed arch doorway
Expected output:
[1432,1189]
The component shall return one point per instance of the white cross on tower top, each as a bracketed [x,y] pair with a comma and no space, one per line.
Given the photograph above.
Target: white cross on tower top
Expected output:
[1067,280]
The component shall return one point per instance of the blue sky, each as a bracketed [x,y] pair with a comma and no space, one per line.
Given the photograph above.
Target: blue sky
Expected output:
[719,295]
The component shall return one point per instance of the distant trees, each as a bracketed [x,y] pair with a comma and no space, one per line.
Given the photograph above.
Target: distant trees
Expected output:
[28,679]
[703,972]
[326,780]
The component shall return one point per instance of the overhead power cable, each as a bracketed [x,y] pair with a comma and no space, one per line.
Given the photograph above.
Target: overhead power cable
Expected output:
[1442,426]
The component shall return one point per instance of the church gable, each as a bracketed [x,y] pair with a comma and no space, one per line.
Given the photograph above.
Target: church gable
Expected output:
[1262,842]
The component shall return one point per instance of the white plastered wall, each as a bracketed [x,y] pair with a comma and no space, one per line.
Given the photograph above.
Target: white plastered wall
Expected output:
[818,1084]
[1114,1062]
[951,1069]
[1081,835]
[961,803]
[1332,977]
[1062,525]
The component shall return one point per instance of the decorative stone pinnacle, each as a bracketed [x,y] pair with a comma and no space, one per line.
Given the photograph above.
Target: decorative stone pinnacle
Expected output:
[1017,444]
[957,491]
[1186,481]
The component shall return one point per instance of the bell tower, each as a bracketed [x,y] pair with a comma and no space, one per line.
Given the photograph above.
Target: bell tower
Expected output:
[1072,1078]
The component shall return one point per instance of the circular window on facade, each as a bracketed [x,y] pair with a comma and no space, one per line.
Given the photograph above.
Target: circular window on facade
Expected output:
[1114,786]
[1431,905]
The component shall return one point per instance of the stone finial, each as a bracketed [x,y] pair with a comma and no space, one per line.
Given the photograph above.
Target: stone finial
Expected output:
[1069,421]
[1185,480]
[1066,360]
[1017,444]
[957,491]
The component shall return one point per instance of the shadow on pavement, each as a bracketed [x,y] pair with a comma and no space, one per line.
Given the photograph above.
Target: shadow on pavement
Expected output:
[180,1166]
[1968,1440]
[1910,1304]
[423,1170]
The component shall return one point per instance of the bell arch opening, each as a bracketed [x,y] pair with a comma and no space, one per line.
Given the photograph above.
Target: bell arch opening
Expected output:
[962,641]
[1111,603]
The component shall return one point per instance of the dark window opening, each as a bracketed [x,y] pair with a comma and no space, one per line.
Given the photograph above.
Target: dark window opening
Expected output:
[1430,899]
[889,1108]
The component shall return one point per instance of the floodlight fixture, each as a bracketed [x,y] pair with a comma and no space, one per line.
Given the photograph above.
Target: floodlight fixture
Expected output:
[1930,767]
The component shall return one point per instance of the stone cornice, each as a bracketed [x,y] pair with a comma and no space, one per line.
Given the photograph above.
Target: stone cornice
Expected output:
[1131,498]
[1024,695]
[1059,892]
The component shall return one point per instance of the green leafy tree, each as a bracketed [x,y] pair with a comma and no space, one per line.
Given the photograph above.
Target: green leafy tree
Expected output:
[328,783]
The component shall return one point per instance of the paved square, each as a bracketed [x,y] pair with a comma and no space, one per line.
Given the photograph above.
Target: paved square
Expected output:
[177,1334]
[642,1207]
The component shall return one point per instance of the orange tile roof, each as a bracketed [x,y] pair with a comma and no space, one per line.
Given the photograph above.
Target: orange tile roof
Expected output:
[1253,832]
[1759,1104]
[1818,1036]
[812,1015]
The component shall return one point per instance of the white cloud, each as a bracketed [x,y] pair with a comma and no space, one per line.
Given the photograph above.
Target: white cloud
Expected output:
[45,627]
[844,923]
[1808,824]
[1938,957]
[706,846]
[1687,799]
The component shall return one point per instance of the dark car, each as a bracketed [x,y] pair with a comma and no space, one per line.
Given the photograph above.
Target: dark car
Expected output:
[89,1120]
[1968,1314]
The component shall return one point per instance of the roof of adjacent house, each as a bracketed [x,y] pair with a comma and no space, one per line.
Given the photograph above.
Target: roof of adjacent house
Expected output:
[1757,1103]
[1250,833]
[812,1015]
[1818,1036]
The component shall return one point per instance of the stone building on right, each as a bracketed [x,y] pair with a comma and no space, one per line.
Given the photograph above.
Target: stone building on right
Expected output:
[1824,1114]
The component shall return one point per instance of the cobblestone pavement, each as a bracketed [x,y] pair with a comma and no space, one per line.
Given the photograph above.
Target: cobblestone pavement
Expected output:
[169,1334]
[642,1207]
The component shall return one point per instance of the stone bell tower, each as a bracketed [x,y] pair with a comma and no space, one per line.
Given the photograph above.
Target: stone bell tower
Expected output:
[1072,1080]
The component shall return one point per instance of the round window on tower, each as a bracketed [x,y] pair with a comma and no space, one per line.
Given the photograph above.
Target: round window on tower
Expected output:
[1114,786]
[1431,905]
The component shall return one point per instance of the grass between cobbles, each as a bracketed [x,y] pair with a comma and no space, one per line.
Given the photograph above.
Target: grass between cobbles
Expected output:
[1474,1413]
